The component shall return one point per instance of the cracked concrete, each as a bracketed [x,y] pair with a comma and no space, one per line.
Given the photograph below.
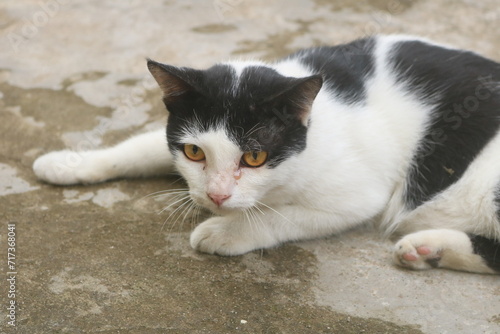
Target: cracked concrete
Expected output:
[100,259]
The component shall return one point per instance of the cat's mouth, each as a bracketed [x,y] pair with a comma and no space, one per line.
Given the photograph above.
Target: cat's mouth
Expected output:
[224,208]
[224,211]
[219,206]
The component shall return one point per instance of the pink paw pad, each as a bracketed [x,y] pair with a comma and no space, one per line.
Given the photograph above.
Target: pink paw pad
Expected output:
[410,257]
[422,250]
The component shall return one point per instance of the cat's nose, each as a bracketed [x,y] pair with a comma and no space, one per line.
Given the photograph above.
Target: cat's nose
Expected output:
[218,199]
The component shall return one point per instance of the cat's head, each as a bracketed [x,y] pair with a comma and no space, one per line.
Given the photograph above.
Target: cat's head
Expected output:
[233,128]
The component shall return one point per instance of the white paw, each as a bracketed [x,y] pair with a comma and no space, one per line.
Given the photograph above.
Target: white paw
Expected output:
[426,249]
[69,167]
[220,235]
[416,256]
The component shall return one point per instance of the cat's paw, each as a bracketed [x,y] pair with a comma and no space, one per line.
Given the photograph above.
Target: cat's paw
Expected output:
[68,167]
[424,249]
[219,235]
[434,248]
[442,248]
[412,252]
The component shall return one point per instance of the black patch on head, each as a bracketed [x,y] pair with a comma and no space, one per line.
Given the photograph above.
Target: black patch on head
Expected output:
[345,67]
[488,249]
[462,87]
[271,111]
[261,109]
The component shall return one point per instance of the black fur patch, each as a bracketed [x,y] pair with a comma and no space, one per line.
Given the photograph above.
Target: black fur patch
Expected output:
[497,201]
[488,249]
[433,261]
[344,67]
[463,88]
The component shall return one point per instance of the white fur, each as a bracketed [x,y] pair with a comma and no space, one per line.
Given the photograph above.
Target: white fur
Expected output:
[352,171]
[142,155]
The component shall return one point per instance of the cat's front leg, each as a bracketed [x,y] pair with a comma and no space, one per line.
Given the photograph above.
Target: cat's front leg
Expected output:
[265,228]
[231,235]
[143,155]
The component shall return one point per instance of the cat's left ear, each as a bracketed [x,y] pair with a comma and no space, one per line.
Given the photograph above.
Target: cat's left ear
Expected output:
[307,90]
[175,82]
[298,97]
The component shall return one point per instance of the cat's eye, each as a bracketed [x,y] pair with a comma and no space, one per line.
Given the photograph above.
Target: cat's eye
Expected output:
[194,152]
[254,158]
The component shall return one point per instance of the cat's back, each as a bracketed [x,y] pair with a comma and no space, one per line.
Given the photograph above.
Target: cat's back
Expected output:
[344,67]
[417,64]
[418,104]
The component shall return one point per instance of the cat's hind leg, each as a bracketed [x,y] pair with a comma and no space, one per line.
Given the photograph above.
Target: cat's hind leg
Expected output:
[446,248]
[143,155]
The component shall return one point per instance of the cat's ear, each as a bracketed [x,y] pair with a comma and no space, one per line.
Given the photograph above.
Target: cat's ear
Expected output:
[297,98]
[175,82]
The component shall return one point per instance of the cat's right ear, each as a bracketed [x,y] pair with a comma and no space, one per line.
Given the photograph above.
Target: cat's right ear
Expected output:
[175,82]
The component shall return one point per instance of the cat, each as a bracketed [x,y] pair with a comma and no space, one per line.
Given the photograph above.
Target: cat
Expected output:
[393,129]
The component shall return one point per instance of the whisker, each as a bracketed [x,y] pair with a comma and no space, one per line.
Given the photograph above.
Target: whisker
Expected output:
[257,217]
[175,202]
[270,208]
[185,206]
[167,191]
[259,224]
[255,128]
[259,209]
[179,179]
[188,210]
[156,197]
[196,214]
[248,217]
[186,200]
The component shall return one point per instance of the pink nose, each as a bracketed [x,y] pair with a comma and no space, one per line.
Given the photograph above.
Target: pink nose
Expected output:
[218,199]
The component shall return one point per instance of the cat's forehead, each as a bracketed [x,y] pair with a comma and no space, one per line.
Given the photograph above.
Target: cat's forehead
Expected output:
[233,95]
[238,66]
[248,81]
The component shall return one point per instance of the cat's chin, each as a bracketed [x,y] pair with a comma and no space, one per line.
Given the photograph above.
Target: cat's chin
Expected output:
[226,211]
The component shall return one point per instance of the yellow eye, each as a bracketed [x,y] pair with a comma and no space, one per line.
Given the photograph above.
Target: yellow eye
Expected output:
[254,158]
[193,152]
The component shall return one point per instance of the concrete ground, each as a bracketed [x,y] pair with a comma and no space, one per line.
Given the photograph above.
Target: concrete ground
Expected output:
[100,259]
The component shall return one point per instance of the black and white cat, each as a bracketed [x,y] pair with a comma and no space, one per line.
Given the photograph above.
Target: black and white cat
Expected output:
[391,129]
